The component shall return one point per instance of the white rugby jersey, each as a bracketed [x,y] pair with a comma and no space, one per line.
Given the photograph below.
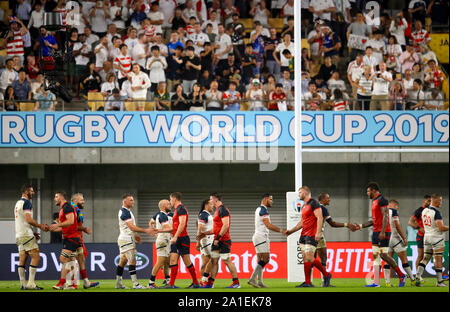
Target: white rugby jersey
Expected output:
[23,228]
[393,215]
[206,220]
[162,218]
[124,216]
[260,214]
[429,217]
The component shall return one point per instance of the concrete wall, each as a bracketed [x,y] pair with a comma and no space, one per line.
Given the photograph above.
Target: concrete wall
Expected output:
[103,186]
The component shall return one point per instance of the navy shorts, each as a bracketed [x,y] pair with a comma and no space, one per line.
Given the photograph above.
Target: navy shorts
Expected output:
[182,246]
[308,240]
[419,240]
[72,243]
[223,247]
[376,241]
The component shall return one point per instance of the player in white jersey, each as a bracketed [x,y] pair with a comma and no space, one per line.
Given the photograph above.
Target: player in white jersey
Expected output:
[127,242]
[261,239]
[26,239]
[434,240]
[397,243]
[205,224]
[162,222]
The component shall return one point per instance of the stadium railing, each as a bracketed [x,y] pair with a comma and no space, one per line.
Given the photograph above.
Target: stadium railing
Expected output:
[150,105]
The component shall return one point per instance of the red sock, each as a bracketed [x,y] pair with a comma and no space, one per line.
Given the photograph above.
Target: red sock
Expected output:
[83,274]
[62,281]
[399,273]
[319,266]
[193,274]
[307,266]
[173,274]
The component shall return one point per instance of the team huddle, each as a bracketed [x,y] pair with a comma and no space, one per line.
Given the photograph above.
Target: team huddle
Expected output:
[169,225]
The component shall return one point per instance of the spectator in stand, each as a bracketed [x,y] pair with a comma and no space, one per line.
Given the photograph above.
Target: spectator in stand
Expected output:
[214,97]
[434,100]
[191,69]
[326,69]
[434,77]
[393,53]
[111,32]
[156,65]
[140,83]
[10,100]
[91,80]
[315,41]
[269,47]
[257,41]
[425,56]
[286,81]
[260,13]
[99,15]
[91,38]
[36,84]
[205,80]
[358,28]
[228,11]
[232,97]
[408,58]
[122,63]
[378,46]
[178,19]
[289,28]
[306,61]
[162,97]
[132,38]
[397,94]
[339,103]
[417,8]
[223,46]
[420,36]
[101,52]
[107,68]
[380,93]
[206,57]
[417,101]
[196,99]
[137,15]
[287,10]
[14,40]
[32,68]
[179,101]
[119,14]
[285,44]
[408,82]
[45,100]
[397,29]
[315,102]
[335,82]
[174,72]
[36,20]
[331,44]
[369,59]
[22,88]
[277,99]
[115,101]
[438,11]
[109,85]
[417,72]
[139,51]
[256,96]
[270,84]
[82,53]
[364,85]
[174,43]
[213,20]
[199,38]
[156,17]
[249,63]
[322,9]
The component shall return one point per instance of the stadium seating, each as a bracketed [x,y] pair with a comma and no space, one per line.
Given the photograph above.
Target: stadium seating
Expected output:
[26,106]
[278,23]
[95,100]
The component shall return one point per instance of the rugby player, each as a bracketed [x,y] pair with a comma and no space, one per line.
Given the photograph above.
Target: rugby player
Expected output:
[321,250]
[77,202]
[397,243]
[434,240]
[180,242]
[163,224]
[205,224]
[26,239]
[311,223]
[415,221]
[67,223]
[127,242]
[381,234]
[261,239]
[221,247]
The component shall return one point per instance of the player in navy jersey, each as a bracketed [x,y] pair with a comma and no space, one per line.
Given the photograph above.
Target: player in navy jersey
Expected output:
[222,242]
[163,223]
[381,234]
[397,243]
[324,200]
[180,242]
[311,225]
[204,245]
[261,239]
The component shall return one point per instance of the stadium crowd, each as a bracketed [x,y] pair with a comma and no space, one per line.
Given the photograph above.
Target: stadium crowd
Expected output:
[198,54]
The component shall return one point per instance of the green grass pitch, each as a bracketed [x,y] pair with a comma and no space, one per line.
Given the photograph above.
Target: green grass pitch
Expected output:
[276,285]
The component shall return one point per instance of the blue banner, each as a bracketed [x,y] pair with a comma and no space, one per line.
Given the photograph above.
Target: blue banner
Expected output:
[166,129]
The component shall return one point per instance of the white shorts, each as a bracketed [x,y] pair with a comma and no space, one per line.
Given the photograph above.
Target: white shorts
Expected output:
[261,243]
[26,243]
[205,245]
[126,245]
[396,244]
[162,245]
[432,243]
